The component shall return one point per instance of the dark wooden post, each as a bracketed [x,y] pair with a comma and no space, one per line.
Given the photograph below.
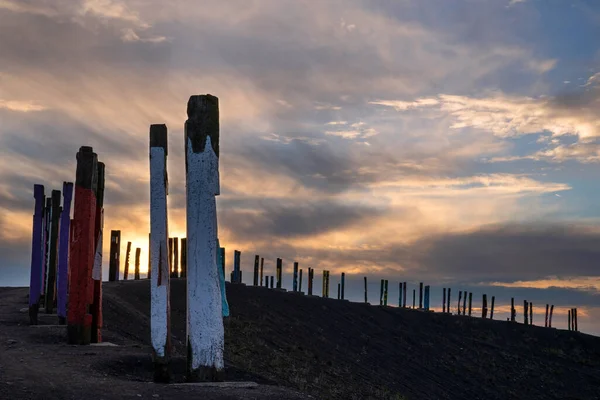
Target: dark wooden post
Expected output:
[492,309]
[366,296]
[546,318]
[311,274]
[404,294]
[343,284]
[576,328]
[420,295]
[338,291]
[127,258]
[47,229]
[37,254]
[279,272]
[426,300]
[97,269]
[327,284]
[79,320]
[464,311]
[381,293]
[62,278]
[295,281]
[53,251]
[115,251]
[513,312]
[550,317]
[176,257]
[262,264]
[484,308]
[221,268]
[183,257]
[256,265]
[525,312]
[459,300]
[237,270]
[414,297]
[448,302]
[399,294]
[137,263]
[205,330]
[470,302]
[160,318]
[570,325]
[300,281]
[385,293]
[444,301]
[272,279]
[171,263]
[149,270]
[530,313]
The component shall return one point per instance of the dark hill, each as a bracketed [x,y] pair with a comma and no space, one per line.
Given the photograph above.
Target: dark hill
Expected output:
[334,349]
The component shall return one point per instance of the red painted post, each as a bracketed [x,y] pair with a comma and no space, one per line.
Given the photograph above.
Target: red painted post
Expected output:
[79,320]
[97,269]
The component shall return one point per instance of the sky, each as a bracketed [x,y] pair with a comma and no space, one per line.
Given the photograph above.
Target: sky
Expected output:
[451,142]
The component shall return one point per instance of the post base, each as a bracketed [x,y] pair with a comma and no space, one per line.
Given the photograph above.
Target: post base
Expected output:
[33,314]
[162,372]
[62,320]
[79,334]
[205,374]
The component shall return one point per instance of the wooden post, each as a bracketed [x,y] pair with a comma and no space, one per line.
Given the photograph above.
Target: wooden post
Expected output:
[221,268]
[448,302]
[530,313]
[525,312]
[385,293]
[115,251]
[381,293]
[426,301]
[343,284]
[570,325]
[513,312]
[236,275]
[338,291]
[444,301]
[137,263]
[295,281]
[279,272]
[262,264]
[311,274]
[492,309]
[272,279]
[550,317]
[484,308]
[79,320]
[62,278]
[576,327]
[414,297]
[53,251]
[176,257]
[300,282]
[37,239]
[47,228]
[127,257]
[149,270]
[205,331]
[366,296]
[325,291]
[546,318]
[470,302]
[399,294]
[160,286]
[420,295]
[256,265]
[171,263]
[183,258]
[97,269]
[464,311]
[459,300]
[404,294]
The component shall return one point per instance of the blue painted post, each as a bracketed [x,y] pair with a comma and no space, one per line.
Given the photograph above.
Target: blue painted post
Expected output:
[221,265]
[295,283]
[63,254]
[426,298]
[37,254]
[343,284]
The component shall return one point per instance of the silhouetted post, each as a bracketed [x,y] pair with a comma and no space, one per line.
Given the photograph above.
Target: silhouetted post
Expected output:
[256,266]
[459,300]
[205,315]
[343,284]
[513,312]
[381,293]
[160,286]
[550,317]
[236,275]
[326,283]
[62,277]
[338,291]
[530,313]
[115,251]
[127,258]
[427,291]
[366,296]
[420,295]
[176,257]
[546,318]
[53,251]
[83,246]
[311,275]
[492,309]
[97,269]
[262,264]
[47,229]
[221,268]
[35,279]
[570,325]
[444,301]
[385,293]
[464,312]
[183,258]
[149,270]
[300,281]
[279,272]
[404,295]
[576,328]
[399,294]
[525,312]
[295,281]
[272,281]
[414,297]
[171,263]
[137,263]
[484,308]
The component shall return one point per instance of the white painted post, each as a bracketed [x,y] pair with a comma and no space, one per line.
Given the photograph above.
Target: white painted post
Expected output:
[205,333]
[159,255]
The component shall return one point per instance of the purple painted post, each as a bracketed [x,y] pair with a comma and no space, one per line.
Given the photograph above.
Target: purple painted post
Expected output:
[63,254]
[37,247]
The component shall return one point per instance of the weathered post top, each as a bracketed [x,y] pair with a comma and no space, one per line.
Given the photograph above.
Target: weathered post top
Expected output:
[158,137]
[202,122]
[87,164]
[100,185]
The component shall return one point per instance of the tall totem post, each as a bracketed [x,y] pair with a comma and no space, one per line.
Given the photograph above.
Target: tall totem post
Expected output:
[64,242]
[37,254]
[160,307]
[205,332]
[343,284]
[52,251]
[176,257]
[295,281]
[278,272]
[136,273]
[83,246]
[97,269]
[262,265]
[221,266]
[256,267]
[183,258]
[115,256]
